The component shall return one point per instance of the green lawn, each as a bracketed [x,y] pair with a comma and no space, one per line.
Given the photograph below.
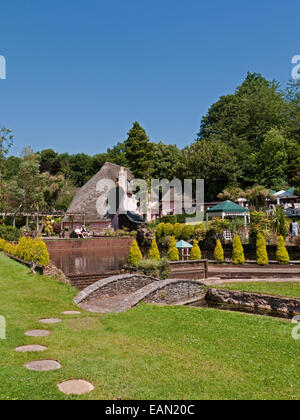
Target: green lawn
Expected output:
[287,289]
[150,352]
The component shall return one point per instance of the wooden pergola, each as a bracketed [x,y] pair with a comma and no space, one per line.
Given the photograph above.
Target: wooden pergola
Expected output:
[37,216]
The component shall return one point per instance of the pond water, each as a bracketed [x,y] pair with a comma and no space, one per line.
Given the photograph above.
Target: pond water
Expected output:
[240,308]
[86,261]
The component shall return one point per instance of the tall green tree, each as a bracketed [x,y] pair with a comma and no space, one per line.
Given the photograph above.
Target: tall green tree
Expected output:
[25,192]
[138,152]
[6,141]
[164,159]
[211,160]
[243,119]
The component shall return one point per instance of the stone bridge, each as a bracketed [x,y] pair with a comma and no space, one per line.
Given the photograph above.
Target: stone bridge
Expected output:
[122,292]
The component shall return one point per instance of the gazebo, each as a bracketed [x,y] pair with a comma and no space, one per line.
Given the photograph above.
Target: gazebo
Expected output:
[184,249]
[228,209]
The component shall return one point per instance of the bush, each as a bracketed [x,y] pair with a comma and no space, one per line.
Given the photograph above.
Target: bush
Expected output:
[261,250]
[195,252]
[200,232]
[154,252]
[168,229]
[187,232]
[238,256]
[48,226]
[153,268]
[177,230]
[9,233]
[40,253]
[219,252]
[135,255]
[282,255]
[160,230]
[173,254]
[165,269]
[30,250]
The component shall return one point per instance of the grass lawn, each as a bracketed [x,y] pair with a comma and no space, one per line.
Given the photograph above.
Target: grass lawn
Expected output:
[286,289]
[150,352]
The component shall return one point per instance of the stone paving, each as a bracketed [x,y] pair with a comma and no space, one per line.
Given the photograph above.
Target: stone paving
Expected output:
[43,365]
[31,348]
[50,321]
[37,333]
[76,387]
[69,387]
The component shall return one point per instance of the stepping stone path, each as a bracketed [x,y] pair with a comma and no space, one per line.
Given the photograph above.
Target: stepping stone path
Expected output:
[71,313]
[31,348]
[75,387]
[50,321]
[43,365]
[37,333]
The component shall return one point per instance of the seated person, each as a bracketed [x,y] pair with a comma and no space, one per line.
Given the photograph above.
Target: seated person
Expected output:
[78,232]
[84,232]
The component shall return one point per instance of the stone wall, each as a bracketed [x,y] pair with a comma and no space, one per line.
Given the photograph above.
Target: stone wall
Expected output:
[176,292]
[123,284]
[255,301]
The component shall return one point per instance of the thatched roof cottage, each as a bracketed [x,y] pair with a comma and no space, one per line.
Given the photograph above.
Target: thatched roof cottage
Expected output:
[84,208]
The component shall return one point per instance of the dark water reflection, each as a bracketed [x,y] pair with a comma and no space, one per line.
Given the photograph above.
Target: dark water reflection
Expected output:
[86,261]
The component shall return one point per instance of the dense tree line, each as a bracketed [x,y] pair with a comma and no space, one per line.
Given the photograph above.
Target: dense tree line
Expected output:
[249,140]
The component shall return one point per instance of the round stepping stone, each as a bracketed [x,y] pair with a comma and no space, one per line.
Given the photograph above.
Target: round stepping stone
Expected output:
[31,348]
[75,387]
[43,365]
[71,313]
[50,321]
[37,333]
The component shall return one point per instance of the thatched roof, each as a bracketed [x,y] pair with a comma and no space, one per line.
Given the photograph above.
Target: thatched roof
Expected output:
[86,198]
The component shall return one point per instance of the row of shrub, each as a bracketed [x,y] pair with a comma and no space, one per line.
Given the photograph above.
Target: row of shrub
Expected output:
[27,249]
[180,231]
[238,256]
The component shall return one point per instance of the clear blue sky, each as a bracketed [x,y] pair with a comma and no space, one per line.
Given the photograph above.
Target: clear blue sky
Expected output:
[80,72]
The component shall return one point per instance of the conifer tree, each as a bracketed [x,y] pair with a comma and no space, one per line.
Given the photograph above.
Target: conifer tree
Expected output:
[154,252]
[196,251]
[173,253]
[135,255]
[238,256]
[219,252]
[261,250]
[138,152]
[282,254]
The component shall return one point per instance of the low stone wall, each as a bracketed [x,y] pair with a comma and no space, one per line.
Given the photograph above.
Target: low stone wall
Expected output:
[253,300]
[175,292]
[122,284]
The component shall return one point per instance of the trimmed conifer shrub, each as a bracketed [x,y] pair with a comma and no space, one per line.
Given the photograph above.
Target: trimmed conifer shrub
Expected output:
[154,252]
[160,230]
[135,255]
[168,229]
[238,256]
[187,232]
[282,254]
[177,230]
[261,250]
[173,253]
[219,252]
[196,251]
